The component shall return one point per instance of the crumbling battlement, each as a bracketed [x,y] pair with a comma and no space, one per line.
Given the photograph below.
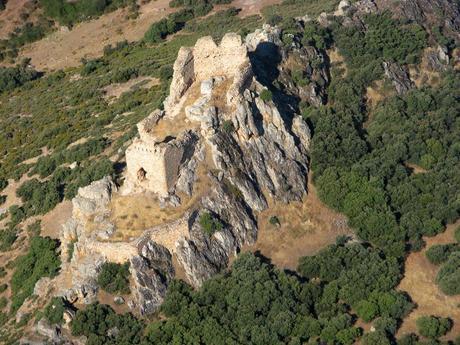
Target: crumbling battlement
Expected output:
[206,60]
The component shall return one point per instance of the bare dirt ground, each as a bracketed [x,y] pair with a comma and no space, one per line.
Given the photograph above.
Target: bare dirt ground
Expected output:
[52,221]
[419,282]
[10,18]
[306,227]
[64,48]
[114,91]
[249,7]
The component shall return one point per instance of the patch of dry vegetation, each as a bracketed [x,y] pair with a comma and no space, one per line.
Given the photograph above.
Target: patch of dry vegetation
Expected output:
[305,228]
[419,282]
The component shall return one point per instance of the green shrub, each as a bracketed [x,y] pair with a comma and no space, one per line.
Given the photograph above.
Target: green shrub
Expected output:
[69,13]
[114,278]
[209,223]
[70,250]
[42,260]
[96,319]
[13,77]
[35,228]
[3,318]
[7,239]
[266,95]
[448,276]
[274,19]
[274,220]
[3,183]
[2,199]
[433,327]
[457,234]
[3,287]
[2,272]
[54,311]
[366,310]
[387,325]
[227,126]
[166,73]
[3,302]
[439,253]
[158,31]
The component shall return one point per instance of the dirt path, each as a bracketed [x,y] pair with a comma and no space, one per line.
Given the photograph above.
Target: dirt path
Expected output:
[419,282]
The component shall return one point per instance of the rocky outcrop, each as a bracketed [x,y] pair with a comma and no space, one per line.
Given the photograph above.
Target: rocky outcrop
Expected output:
[246,148]
[309,77]
[433,13]
[152,271]
[399,76]
[262,40]
[93,199]
[437,60]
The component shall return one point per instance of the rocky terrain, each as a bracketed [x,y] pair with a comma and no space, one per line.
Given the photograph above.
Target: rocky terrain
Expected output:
[256,154]
[224,147]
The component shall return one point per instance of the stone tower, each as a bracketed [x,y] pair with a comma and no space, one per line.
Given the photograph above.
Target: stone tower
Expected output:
[153,162]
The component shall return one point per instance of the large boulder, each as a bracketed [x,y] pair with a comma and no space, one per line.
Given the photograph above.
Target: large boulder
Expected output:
[152,270]
[399,76]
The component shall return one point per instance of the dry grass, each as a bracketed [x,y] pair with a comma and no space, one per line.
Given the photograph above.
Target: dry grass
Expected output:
[338,61]
[422,75]
[133,214]
[104,297]
[419,282]
[415,168]
[114,91]
[63,49]
[377,92]
[248,7]
[306,227]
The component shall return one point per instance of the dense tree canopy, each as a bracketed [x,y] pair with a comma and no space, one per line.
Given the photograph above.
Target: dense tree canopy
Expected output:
[41,260]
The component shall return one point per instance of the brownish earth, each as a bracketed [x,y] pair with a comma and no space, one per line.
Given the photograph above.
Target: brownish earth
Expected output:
[64,48]
[306,227]
[114,91]
[419,283]
[52,221]
[250,7]
[10,17]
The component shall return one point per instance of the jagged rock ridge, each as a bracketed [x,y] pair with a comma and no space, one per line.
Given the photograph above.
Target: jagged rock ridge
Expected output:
[215,127]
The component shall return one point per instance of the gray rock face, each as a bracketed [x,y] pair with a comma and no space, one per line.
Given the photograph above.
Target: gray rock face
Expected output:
[262,38]
[311,78]
[398,76]
[93,198]
[271,157]
[202,255]
[437,60]
[152,271]
[50,332]
[432,13]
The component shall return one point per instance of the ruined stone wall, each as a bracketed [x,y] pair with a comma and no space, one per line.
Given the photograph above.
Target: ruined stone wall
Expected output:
[118,252]
[168,234]
[206,60]
[226,59]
